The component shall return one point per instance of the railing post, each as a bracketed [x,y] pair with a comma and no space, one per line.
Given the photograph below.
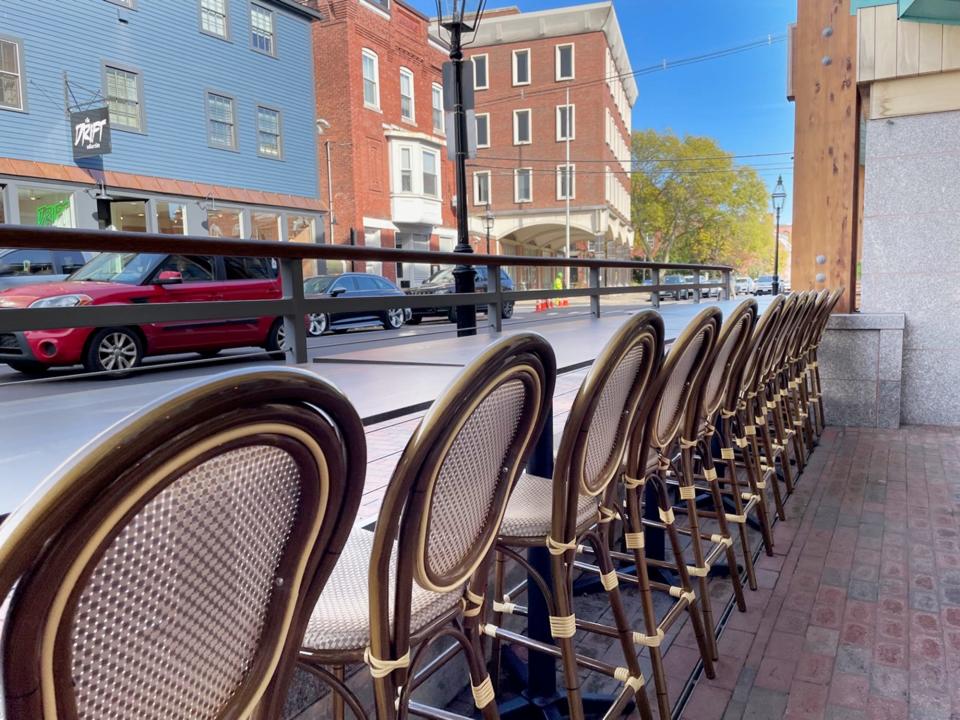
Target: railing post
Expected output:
[655,295]
[696,290]
[725,290]
[294,325]
[495,309]
[595,298]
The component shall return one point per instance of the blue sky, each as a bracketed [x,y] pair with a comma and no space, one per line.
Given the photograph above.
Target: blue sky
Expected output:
[739,100]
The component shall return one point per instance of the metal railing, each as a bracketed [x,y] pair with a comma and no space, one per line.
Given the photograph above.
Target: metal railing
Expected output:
[294,305]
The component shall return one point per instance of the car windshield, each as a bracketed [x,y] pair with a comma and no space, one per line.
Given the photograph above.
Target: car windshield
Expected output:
[320,284]
[130,268]
[765,278]
[443,276]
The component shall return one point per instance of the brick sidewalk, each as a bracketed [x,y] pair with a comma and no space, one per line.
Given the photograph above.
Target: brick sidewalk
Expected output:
[858,615]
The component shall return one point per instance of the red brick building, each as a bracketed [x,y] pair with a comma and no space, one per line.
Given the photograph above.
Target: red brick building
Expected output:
[378,78]
[524,65]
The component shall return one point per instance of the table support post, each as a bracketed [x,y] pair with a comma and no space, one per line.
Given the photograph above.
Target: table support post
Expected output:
[294,324]
[595,299]
[696,291]
[495,309]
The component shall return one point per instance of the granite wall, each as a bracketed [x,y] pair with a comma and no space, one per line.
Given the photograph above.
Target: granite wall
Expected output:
[911,254]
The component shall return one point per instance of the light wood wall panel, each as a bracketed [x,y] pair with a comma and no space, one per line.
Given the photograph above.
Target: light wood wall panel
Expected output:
[890,48]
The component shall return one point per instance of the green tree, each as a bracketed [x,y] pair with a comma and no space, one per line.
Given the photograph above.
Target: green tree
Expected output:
[691,203]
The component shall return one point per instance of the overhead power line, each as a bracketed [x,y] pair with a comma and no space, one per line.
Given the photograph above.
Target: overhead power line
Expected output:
[648,160]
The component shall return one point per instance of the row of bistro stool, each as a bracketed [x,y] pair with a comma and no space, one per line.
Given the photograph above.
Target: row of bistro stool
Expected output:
[187,560]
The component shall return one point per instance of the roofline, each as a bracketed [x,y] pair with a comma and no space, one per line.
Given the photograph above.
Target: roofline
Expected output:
[299,7]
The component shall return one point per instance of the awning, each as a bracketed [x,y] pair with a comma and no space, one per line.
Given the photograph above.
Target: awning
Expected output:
[379,224]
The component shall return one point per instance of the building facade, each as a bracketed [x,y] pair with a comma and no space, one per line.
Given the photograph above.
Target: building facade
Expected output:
[554,95]
[211,117]
[378,88]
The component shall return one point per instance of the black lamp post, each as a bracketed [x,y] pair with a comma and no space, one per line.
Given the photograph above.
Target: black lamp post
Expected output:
[778,197]
[457,20]
[488,221]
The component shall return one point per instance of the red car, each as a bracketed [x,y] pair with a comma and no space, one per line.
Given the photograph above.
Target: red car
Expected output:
[148,278]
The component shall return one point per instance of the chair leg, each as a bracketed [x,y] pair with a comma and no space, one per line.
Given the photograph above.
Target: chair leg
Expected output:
[764,434]
[700,566]
[338,688]
[498,590]
[563,597]
[755,479]
[710,470]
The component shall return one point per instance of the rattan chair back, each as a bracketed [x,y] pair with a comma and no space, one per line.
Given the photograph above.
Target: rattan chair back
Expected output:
[820,303]
[678,379]
[760,346]
[725,367]
[445,502]
[164,571]
[781,340]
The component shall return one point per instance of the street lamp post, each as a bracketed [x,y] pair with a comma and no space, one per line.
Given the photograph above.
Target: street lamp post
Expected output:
[488,221]
[453,16]
[778,197]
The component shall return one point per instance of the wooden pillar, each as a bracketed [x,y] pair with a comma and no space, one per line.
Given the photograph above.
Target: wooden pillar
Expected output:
[826,177]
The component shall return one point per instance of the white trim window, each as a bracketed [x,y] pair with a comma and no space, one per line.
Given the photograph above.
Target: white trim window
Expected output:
[261,30]
[481,71]
[430,160]
[522,126]
[406,169]
[371,79]
[521,66]
[483,129]
[481,188]
[566,182]
[269,133]
[436,99]
[221,122]
[565,68]
[523,185]
[213,18]
[11,75]
[407,101]
[566,122]
[123,91]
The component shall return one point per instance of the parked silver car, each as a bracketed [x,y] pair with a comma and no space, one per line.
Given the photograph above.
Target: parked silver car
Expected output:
[29,267]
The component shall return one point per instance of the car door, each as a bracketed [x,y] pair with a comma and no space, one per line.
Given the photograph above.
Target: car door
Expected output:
[368,287]
[249,278]
[343,288]
[198,283]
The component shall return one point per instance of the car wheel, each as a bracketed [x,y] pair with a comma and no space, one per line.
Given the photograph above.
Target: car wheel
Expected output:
[33,369]
[506,312]
[452,314]
[115,350]
[317,324]
[393,319]
[415,320]
[276,339]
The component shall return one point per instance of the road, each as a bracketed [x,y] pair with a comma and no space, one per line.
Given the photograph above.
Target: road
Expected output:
[14,386]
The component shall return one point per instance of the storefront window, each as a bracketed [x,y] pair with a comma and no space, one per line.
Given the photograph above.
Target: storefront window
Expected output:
[303,229]
[170,217]
[265,226]
[223,223]
[39,206]
[3,217]
[128,215]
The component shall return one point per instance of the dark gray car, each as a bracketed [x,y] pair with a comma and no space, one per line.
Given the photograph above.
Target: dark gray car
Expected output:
[29,267]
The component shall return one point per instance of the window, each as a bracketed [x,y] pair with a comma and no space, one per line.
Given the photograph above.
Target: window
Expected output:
[128,215]
[481,80]
[566,119]
[123,99]
[436,95]
[431,186]
[223,223]
[132,4]
[371,79]
[264,226]
[483,130]
[192,268]
[406,170]
[40,206]
[301,228]
[26,262]
[521,67]
[250,268]
[481,188]
[521,127]
[261,29]
[169,217]
[11,75]
[566,182]
[406,95]
[523,185]
[213,18]
[269,134]
[565,62]
[221,127]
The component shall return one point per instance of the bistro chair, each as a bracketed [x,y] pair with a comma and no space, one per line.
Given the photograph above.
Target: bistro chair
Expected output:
[698,479]
[649,466]
[577,518]
[812,367]
[164,570]
[401,588]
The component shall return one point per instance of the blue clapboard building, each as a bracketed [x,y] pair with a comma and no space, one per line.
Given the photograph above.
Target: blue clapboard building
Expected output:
[210,114]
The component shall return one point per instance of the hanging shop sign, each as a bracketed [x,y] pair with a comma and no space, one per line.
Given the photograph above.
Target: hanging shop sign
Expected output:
[91,132]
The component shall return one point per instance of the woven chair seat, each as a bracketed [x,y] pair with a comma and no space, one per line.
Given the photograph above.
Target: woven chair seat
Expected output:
[341,618]
[529,512]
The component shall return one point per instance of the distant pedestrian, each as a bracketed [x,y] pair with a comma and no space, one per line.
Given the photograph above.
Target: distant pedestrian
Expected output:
[558,281]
